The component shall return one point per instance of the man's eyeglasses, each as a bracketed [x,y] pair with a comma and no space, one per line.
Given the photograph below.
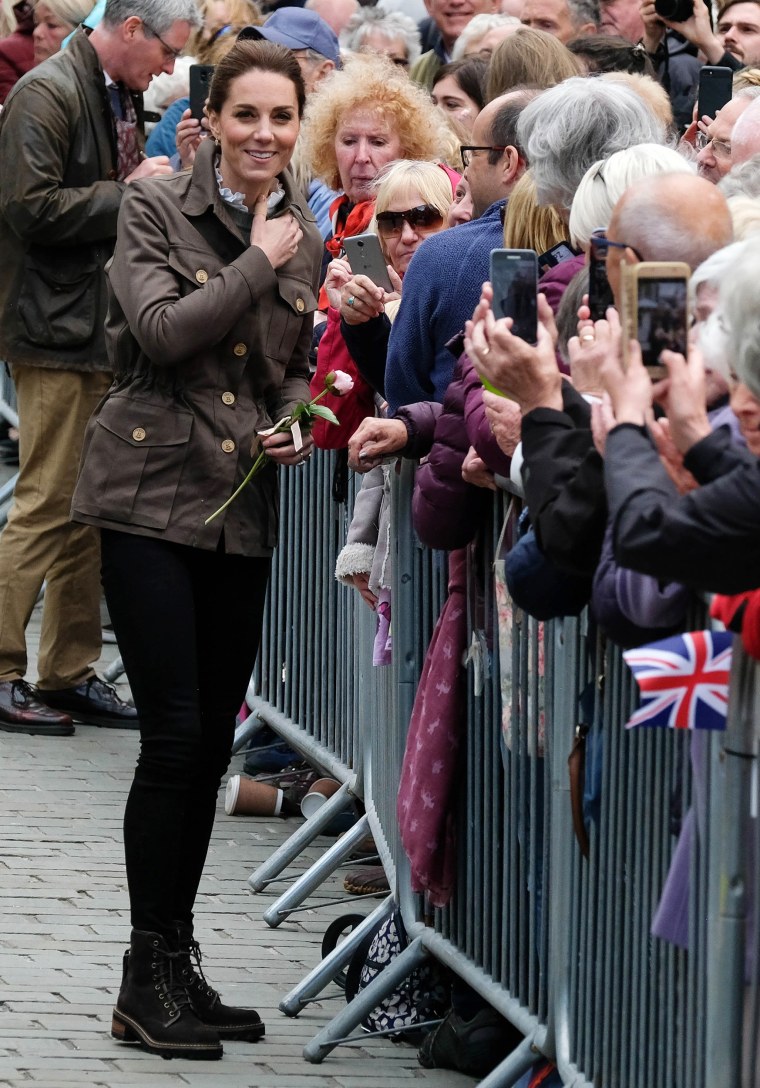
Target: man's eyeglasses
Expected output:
[423,217]
[168,49]
[720,147]
[468,151]
[602,245]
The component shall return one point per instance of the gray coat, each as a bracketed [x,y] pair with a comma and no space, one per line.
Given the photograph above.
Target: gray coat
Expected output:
[59,204]
[209,345]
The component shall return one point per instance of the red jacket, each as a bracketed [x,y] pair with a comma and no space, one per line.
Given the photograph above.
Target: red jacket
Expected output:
[17,50]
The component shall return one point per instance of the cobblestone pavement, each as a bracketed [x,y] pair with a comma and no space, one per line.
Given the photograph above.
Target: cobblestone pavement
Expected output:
[64,926]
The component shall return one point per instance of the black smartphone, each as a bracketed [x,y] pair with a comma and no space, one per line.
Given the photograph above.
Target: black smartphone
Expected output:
[600,295]
[514,279]
[558,253]
[715,89]
[200,82]
[366,259]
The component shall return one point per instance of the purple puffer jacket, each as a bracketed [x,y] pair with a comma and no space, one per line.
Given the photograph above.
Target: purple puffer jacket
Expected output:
[447,510]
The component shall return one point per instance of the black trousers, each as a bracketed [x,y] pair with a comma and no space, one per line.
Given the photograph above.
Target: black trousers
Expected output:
[188,623]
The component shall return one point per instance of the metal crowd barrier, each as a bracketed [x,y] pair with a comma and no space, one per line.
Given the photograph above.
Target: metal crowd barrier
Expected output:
[560,944]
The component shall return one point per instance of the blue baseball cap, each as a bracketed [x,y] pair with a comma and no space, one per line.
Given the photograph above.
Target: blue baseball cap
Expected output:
[298,28]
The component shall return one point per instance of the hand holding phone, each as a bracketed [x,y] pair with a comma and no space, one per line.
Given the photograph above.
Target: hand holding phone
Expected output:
[200,83]
[655,310]
[367,259]
[514,279]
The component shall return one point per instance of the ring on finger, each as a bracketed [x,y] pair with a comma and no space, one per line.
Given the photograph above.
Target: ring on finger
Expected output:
[588,338]
[351,300]
[484,351]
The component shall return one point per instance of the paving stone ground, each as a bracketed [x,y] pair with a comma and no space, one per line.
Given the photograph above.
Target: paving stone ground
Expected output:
[64,926]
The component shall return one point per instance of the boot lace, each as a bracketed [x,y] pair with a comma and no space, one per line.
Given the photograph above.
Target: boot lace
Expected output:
[194,968]
[168,982]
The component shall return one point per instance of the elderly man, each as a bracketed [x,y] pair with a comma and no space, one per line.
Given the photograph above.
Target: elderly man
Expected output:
[70,140]
[443,282]
[450,18]
[716,158]
[565,19]
[563,472]
[745,138]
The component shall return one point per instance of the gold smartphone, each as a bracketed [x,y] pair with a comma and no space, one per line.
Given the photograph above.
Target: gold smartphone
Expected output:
[655,310]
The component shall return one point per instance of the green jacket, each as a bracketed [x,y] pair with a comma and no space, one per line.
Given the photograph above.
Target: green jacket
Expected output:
[209,345]
[59,203]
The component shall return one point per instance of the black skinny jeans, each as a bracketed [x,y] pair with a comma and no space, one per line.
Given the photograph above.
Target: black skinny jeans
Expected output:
[188,624]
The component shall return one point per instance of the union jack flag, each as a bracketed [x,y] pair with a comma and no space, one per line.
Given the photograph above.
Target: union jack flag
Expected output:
[683,681]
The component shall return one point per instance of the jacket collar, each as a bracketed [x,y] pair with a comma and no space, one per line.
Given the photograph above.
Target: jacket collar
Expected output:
[203,191]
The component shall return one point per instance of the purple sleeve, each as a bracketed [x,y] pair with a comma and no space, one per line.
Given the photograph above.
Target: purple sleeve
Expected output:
[478,430]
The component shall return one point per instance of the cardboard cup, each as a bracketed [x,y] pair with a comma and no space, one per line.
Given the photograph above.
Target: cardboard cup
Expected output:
[247,797]
[318,794]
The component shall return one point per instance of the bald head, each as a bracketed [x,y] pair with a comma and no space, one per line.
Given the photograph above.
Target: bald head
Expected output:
[745,137]
[657,215]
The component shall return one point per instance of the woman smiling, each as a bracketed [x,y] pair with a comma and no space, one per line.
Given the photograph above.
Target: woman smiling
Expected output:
[212,290]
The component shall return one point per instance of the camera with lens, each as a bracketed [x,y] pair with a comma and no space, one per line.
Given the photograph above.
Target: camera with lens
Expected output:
[676,11]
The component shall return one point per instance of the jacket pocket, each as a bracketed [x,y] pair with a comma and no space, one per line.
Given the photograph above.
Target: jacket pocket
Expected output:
[59,299]
[134,461]
[294,300]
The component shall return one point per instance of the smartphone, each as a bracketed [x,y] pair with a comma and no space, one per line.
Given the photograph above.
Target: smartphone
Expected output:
[715,89]
[600,295]
[514,279]
[200,81]
[655,310]
[558,253]
[366,259]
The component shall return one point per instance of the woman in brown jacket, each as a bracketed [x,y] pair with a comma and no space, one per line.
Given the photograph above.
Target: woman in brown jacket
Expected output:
[213,285]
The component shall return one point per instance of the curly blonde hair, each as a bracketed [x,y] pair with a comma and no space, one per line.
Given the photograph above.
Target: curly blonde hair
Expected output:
[369,82]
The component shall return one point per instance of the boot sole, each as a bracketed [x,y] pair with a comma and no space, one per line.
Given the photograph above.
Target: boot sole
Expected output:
[245,1035]
[126,1030]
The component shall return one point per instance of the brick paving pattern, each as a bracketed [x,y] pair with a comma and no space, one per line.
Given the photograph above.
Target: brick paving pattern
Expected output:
[64,927]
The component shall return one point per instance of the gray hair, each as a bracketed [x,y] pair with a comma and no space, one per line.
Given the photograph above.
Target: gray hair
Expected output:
[573,125]
[740,303]
[477,28]
[584,11]
[604,183]
[745,135]
[158,15]
[742,180]
[393,24]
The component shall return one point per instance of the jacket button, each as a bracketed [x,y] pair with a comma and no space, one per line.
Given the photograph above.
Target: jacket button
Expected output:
[228,445]
[300,305]
[138,434]
[240,349]
[201,275]
[228,398]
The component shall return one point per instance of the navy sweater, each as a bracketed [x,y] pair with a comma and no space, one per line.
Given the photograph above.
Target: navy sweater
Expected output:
[441,289]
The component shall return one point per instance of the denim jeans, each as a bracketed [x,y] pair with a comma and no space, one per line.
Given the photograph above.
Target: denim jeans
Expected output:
[188,625]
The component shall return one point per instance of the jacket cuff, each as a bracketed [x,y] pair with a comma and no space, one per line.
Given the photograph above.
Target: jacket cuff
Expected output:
[354,559]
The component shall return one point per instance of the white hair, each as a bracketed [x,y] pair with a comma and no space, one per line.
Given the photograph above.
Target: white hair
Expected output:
[477,28]
[745,135]
[740,305]
[604,183]
[389,24]
[569,127]
[712,335]
[742,180]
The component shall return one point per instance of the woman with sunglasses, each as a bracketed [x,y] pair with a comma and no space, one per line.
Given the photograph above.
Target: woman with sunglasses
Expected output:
[412,202]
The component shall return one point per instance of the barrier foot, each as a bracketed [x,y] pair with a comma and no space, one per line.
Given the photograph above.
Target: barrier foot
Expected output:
[316,874]
[245,731]
[114,670]
[514,1066]
[311,986]
[299,840]
[341,1026]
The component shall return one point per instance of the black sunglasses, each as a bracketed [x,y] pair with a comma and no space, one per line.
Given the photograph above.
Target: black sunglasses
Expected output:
[423,217]
[602,244]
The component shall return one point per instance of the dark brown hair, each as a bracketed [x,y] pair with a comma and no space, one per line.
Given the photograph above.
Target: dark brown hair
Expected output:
[262,56]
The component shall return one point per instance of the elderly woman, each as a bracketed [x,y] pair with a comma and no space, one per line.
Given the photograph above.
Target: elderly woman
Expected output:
[54,20]
[212,289]
[360,119]
[389,33]
[569,127]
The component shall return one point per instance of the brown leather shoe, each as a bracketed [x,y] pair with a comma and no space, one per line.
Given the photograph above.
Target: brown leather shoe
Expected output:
[21,711]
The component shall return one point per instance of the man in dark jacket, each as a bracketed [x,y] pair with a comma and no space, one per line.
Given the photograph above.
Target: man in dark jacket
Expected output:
[563,474]
[70,140]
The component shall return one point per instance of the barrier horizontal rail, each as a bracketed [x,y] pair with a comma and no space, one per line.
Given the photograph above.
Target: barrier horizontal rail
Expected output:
[560,944]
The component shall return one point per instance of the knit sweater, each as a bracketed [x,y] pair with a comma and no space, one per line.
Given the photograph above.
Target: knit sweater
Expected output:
[441,289]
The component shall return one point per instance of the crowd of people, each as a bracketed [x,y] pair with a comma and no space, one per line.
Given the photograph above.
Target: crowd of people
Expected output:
[176,283]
